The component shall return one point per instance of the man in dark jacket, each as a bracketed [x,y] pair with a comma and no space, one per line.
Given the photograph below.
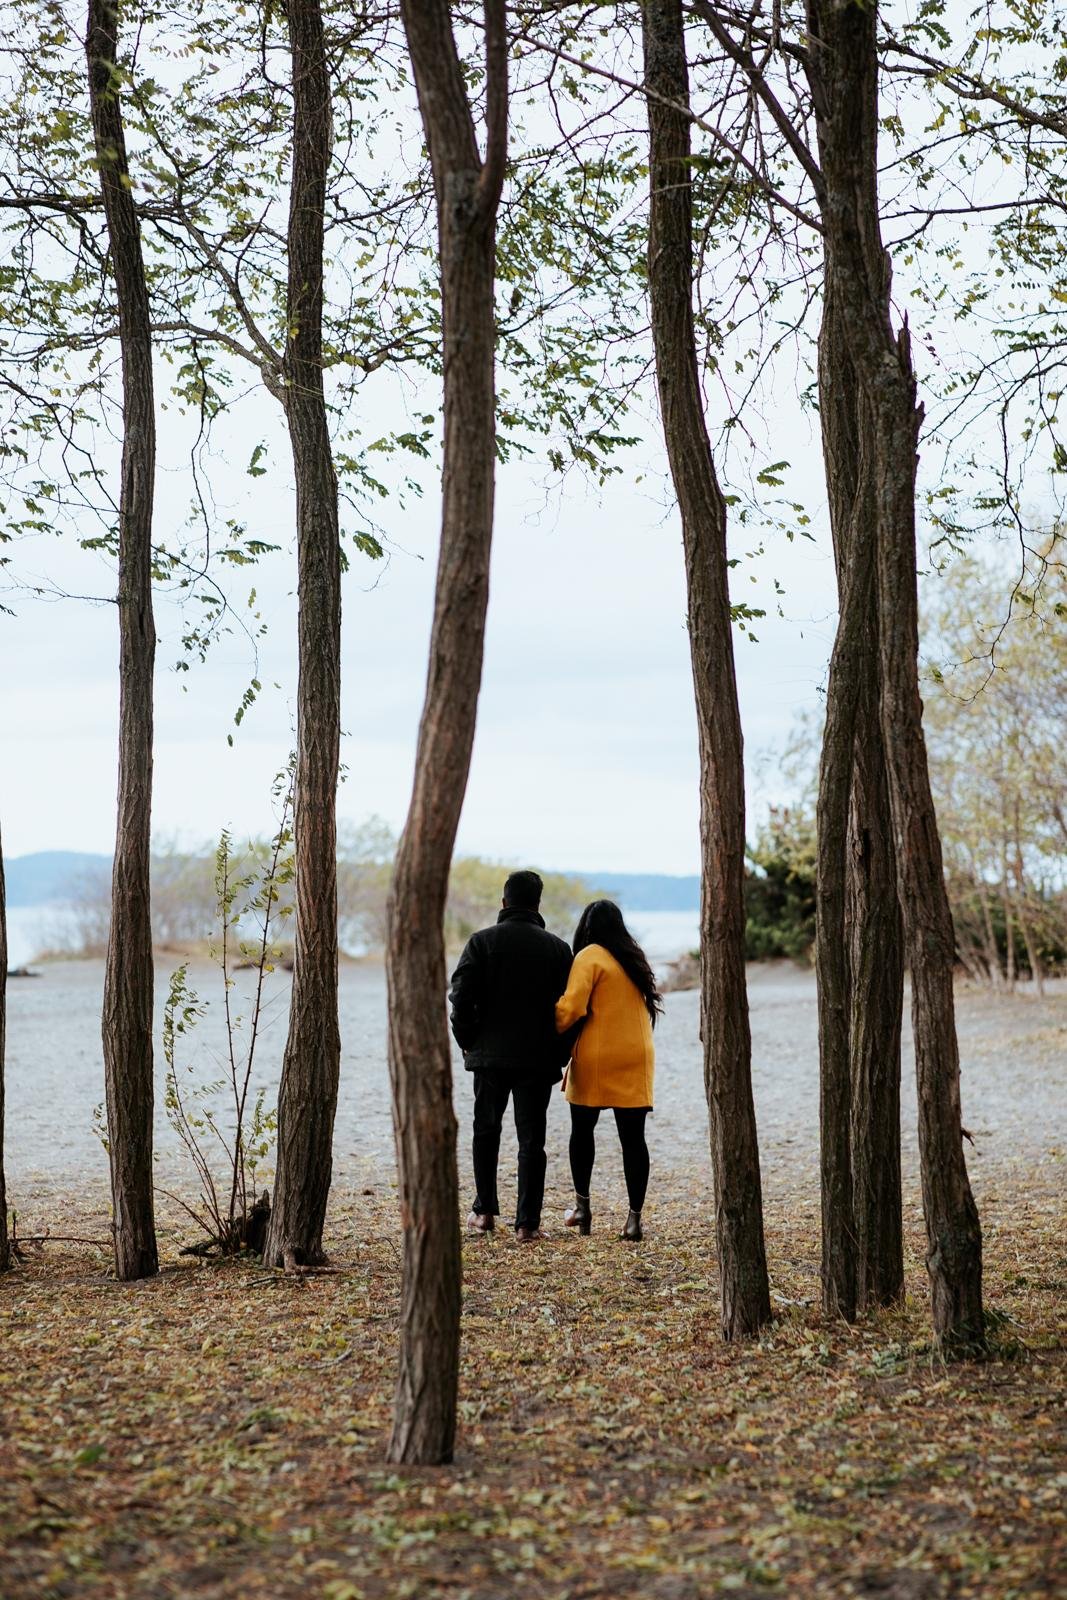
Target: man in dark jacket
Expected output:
[503,996]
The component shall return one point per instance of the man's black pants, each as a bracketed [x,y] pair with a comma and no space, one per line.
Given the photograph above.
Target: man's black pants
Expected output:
[531,1099]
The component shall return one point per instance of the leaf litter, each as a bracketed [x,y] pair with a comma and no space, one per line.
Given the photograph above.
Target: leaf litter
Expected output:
[220,1431]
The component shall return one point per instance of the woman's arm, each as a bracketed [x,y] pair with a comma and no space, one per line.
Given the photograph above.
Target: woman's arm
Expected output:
[573,1005]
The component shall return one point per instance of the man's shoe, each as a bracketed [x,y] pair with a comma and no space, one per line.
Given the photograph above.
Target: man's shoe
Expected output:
[579,1215]
[480,1222]
[528,1235]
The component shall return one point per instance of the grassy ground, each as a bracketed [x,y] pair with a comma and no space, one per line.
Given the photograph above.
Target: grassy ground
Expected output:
[219,1431]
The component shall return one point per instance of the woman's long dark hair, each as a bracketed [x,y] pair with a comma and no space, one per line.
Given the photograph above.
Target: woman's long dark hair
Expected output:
[601,923]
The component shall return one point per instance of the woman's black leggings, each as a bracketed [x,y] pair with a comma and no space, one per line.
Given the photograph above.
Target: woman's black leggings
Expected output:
[630,1121]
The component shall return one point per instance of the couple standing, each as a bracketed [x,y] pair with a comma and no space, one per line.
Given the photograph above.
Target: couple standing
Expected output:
[524,1009]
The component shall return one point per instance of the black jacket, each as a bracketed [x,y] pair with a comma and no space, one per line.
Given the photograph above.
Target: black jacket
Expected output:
[503,998]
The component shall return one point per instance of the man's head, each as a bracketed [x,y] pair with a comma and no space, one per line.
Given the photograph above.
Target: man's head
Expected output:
[522,891]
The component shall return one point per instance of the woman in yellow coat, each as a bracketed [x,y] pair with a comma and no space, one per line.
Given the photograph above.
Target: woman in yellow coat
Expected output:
[612,999]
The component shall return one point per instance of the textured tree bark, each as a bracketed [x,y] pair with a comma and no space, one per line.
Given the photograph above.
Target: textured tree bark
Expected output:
[954,1235]
[876,944]
[307,1096]
[842,65]
[847,456]
[858,946]
[128,983]
[468,193]
[5,1244]
[724,1001]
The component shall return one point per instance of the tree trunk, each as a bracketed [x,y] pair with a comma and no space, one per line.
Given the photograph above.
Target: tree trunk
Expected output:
[847,455]
[877,974]
[307,1095]
[996,977]
[972,959]
[5,1245]
[858,946]
[843,71]
[1037,974]
[953,1231]
[128,981]
[1009,918]
[420,1063]
[724,1001]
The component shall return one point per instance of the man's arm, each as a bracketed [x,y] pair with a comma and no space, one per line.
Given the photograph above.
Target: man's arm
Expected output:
[465,996]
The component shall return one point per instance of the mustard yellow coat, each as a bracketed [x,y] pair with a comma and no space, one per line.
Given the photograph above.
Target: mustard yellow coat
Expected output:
[614,1059]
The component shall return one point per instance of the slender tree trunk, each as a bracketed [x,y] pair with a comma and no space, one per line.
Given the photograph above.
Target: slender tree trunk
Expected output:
[1009,915]
[468,193]
[5,1246]
[859,941]
[128,981]
[953,1231]
[973,961]
[848,457]
[996,977]
[307,1097]
[1033,956]
[877,966]
[724,1001]
[843,70]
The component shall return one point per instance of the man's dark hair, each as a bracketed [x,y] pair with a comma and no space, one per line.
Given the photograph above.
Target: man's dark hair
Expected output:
[523,891]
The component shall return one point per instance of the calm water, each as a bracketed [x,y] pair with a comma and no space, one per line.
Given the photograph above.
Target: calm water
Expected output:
[31,929]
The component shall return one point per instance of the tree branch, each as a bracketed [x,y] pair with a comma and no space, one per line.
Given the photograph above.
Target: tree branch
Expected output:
[496,105]
[694,117]
[762,88]
[969,86]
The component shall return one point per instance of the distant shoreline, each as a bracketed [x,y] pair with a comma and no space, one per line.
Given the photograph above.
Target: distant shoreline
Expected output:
[37,934]
[42,881]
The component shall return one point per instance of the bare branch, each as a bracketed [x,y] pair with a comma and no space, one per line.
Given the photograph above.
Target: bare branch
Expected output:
[757,78]
[496,105]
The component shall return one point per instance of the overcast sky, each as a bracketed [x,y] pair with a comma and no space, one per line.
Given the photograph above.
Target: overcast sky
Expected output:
[586,747]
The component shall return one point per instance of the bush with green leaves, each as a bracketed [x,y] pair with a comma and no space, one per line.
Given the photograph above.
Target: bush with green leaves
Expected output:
[780,887]
[227,1147]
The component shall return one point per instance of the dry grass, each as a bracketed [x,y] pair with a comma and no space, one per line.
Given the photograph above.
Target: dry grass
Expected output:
[219,1431]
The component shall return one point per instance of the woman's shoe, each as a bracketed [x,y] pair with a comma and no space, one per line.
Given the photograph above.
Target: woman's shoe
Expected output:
[579,1215]
[632,1230]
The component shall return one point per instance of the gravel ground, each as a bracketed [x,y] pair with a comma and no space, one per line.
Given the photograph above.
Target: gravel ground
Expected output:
[1013,1049]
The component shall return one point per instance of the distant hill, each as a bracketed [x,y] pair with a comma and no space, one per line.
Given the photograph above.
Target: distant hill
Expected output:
[647,891]
[49,876]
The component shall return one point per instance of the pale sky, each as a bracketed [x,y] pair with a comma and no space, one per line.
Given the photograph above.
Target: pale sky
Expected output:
[586,751]
[586,747]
